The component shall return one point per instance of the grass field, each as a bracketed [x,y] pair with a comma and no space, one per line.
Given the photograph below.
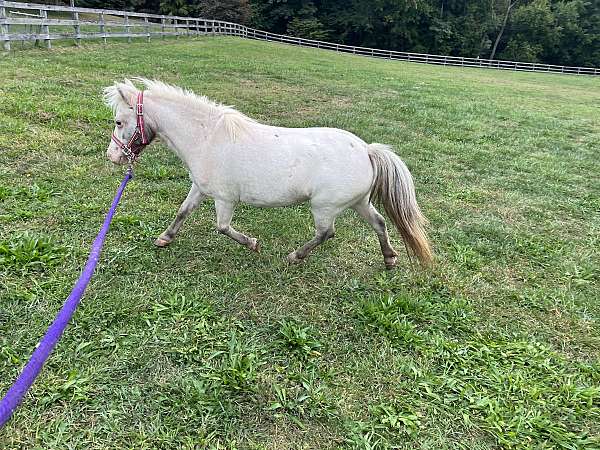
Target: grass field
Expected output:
[206,345]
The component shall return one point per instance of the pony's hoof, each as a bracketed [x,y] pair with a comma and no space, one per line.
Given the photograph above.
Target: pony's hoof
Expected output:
[390,262]
[162,242]
[293,258]
[254,245]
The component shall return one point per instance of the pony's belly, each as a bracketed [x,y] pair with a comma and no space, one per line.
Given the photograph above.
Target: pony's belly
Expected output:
[272,199]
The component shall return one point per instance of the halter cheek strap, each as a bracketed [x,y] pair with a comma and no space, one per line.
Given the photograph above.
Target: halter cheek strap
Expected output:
[133,148]
[140,117]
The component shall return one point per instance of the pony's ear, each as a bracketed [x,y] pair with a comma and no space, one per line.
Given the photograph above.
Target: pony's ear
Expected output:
[120,93]
[127,91]
[123,96]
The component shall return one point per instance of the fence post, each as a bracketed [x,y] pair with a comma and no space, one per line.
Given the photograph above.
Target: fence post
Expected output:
[176,28]
[102,27]
[45,29]
[4,27]
[197,27]
[77,29]
[127,28]
[147,28]
[162,27]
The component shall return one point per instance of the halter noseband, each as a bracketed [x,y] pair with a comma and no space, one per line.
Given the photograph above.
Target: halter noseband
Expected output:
[133,148]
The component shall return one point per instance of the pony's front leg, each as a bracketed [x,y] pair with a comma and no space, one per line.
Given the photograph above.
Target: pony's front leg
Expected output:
[224,214]
[190,203]
[325,229]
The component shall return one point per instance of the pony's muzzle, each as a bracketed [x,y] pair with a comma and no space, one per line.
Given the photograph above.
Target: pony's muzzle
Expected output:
[115,155]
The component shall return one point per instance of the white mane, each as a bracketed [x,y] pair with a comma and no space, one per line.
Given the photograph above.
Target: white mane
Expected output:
[227,119]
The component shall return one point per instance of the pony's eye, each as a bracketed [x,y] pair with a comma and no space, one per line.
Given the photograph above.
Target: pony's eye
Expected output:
[118,123]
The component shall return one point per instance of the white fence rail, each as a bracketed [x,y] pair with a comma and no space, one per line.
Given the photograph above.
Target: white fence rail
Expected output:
[45,23]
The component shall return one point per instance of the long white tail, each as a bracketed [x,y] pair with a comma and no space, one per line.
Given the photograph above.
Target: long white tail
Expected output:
[393,187]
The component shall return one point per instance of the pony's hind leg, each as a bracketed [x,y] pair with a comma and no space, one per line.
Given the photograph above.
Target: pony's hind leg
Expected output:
[368,212]
[190,203]
[224,215]
[325,229]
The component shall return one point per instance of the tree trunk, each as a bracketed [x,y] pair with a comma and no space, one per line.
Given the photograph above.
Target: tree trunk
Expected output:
[510,5]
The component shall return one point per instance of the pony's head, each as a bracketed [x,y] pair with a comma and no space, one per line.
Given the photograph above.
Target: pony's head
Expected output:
[122,98]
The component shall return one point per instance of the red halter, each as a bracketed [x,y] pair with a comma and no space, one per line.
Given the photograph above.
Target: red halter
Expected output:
[134,147]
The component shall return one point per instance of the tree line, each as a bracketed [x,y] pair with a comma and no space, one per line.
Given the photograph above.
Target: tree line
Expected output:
[565,32]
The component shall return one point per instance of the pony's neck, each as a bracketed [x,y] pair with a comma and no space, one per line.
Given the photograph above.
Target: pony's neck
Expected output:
[179,124]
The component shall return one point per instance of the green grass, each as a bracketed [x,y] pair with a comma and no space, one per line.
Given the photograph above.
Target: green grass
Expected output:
[204,344]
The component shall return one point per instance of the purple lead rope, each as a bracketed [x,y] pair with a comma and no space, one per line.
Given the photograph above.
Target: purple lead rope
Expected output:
[17,391]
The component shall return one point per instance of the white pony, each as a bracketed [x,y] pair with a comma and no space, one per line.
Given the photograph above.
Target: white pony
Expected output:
[232,158]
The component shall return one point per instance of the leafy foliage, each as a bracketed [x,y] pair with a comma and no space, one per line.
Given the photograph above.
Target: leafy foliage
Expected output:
[26,252]
[299,339]
[550,31]
[237,11]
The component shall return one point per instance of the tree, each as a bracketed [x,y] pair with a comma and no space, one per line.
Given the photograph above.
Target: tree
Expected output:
[509,6]
[238,11]
[175,7]
[463,27]
[534,32]
[305,24]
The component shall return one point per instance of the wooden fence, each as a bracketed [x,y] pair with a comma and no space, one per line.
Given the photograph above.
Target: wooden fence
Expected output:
[44,23]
